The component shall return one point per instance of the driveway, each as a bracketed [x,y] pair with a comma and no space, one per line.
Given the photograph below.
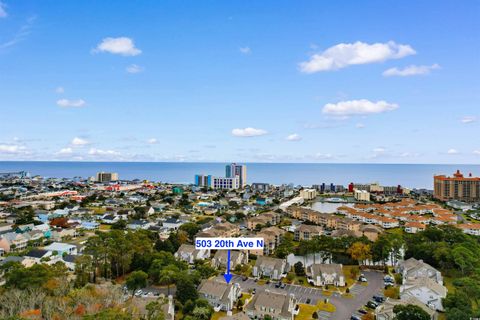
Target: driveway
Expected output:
[345,307]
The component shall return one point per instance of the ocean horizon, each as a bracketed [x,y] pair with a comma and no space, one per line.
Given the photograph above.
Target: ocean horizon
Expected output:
[306,174]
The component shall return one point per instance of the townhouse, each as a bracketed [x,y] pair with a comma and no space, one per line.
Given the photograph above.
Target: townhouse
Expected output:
[220,295]
[414,227]
[326,274]
[188,253]
[237,258]
[277,306]
[274,268]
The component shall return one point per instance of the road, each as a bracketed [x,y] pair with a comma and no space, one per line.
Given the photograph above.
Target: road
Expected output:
[345,307]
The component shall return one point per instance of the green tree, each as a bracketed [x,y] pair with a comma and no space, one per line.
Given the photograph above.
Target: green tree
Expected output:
[155,311]
[186,289]
[410,312]
[299,269]
[168,275]
[464,258]
[136,280]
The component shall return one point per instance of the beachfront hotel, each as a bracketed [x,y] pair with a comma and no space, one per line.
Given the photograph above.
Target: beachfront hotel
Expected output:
[457,187]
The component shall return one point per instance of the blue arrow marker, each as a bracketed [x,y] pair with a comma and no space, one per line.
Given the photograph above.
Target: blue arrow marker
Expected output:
[227,275]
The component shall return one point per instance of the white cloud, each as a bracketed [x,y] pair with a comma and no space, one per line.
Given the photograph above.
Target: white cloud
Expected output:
[379,150]
[477,152]
[359,126]
[3,12]
[346,54]
[245,50]
[20,35]
[410,71]
[65,151]
[59,90]
[248,132]
[100,152]
[152,141]
[468,119]
[452,151]
[294,137]
[67,103]
[134,68]
[79,142]
[11,149]
[123,46]
[358,107]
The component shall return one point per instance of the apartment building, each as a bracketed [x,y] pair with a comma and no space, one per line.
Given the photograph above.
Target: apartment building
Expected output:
[456,187]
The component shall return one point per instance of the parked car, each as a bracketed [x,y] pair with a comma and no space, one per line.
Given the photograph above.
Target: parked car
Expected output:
[362,279]
[362,311]
[254,291]
[244,278]
[283,285]
[378,299]
[278,284]
[355,317]
[388,284]
[371,305]
[308,301]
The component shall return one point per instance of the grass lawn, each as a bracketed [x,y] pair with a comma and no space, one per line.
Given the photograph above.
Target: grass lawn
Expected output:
[447,282]
[395,230]
[307,310]
[98,210]
[218,315]
[245,296]
[105,227]
[349,278]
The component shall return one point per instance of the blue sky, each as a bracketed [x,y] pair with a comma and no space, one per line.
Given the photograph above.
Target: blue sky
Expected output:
[262,81]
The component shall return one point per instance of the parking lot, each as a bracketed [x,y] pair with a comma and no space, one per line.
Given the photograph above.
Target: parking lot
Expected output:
[345,307]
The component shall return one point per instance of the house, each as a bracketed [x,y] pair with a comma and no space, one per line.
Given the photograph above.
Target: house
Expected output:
[414,227]
[189,254]
[412,269]
[426,290]
[326,274]
[220,295]
[237,258]
[90,225]
[58,234]
[13,241]
[277,306]
[69,261]
[61,248]
[138,225]
[38,255]
[273,268]
[172,223]
[387,223]
[385,310]
[110,218]
[470,228]
[307,232]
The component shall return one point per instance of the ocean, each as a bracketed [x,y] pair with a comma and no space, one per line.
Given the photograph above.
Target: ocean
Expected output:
[407,175]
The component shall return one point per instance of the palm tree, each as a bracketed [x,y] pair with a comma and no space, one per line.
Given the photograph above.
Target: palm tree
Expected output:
[168,276]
